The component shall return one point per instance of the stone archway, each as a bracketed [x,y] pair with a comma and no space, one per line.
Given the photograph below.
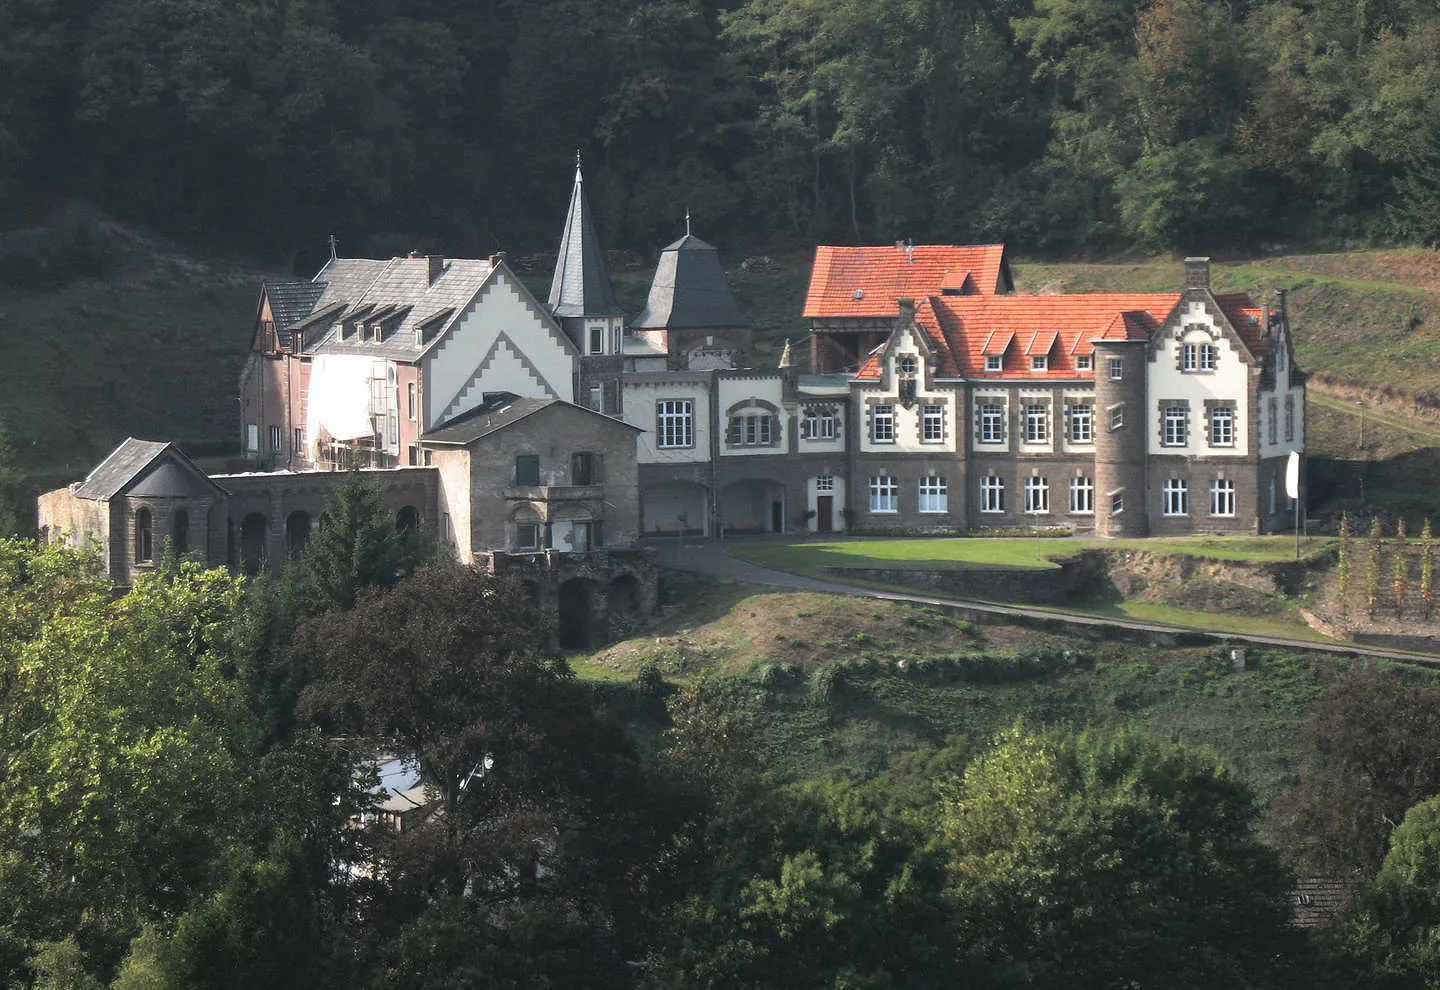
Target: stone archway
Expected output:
[577,614]
[297,533]
[254,540]
[753,506]
[407,520]
[671,507]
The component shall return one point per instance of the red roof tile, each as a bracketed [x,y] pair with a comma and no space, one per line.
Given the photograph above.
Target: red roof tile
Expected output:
[931,326]
[867,281]
[1248,319]
[975,325]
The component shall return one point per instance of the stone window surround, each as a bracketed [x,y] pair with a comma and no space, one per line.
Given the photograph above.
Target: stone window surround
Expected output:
[1071,408]
[943,405]
[1175,498]
[936,489]
[871,406]
[1211,406]
[999,402]
[992,494]
[821,411]
[1166,407]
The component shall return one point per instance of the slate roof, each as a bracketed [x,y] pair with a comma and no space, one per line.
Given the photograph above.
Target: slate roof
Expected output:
[395,293]
[883,275]
[689,290]
[581,285]
[290,303]
[963,329]
[499,410]
[1317,900]
[175,477]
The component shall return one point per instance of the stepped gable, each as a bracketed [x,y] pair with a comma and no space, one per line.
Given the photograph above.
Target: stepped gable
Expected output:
[151,468]
[867,282]
[931,322]
[402,295]
[581,285]
[1020,327]
[689,290]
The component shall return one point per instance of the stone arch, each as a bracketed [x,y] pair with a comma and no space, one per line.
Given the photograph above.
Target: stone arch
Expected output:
[254,538]
[577,614]
[297,533]
[180,532]
[407,520]
[623,604]
[671,507]
[755,505]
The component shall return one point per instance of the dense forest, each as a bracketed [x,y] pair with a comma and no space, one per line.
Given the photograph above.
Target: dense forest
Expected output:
[1056,125]
[188,799]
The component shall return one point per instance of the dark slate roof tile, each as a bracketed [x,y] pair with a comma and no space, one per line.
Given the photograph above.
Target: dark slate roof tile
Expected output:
[690,290]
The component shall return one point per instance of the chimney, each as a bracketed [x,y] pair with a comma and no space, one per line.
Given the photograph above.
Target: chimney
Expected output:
[1197,273]
[497,258]
[1280,304]
[907,308]
[434,265]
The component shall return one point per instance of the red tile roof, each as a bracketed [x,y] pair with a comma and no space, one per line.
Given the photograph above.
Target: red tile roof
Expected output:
[1059,326]
[867,281]
[1248,319]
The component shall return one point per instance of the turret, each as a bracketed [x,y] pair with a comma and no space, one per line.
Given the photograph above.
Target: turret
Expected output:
[581,297]
[1120,438]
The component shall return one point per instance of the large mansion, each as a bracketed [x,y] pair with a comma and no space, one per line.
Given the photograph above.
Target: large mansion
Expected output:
[937,401]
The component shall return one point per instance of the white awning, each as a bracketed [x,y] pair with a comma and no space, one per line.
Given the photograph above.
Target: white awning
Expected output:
[339,402]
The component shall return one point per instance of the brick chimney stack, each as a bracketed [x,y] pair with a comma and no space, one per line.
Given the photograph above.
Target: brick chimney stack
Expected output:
[434,265]
[1197,273]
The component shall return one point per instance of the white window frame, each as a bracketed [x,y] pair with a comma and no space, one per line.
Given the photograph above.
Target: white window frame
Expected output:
[597,397]
[1222,498]
[1289,418]
[1037,422]
[1037,495]
[1084,362]
[411,403]
[992,494]
[1082,422]
[825,484]
[252,438]
[1175,497]
[819,424]
[674,423]
[934,494]
[535,526]
[907,364]
[1039,362]
[1199,357]
[884,494]
[932,423]
[752,429]
[992,422]
[1222,426]
[1117,502]
[994,362]
[597,340]
[1272,414]
[882,423]
[1116,369]
[1117,417]
[1082,496]
[1174,420]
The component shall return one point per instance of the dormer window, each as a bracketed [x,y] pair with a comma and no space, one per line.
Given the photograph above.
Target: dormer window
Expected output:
[994,362]
[1039,362]
[907,364]
[1084,362]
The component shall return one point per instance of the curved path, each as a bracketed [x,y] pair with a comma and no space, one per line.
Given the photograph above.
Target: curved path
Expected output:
[712,557]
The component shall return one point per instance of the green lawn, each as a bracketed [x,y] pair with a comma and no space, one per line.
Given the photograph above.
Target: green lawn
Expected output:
[1005,552]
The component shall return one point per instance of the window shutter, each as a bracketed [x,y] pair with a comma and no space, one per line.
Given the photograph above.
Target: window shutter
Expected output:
[597,470]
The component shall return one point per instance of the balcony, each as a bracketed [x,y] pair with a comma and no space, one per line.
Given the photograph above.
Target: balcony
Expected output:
[518,563]
[553,493]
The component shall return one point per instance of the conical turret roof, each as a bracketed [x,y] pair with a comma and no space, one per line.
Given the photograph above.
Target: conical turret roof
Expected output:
[690,290]
[581,286]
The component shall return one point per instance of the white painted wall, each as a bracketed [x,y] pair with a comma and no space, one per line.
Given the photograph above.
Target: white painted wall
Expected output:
[639,406]
[1001,399]
[501,344]
[1229,380]
[1285,385]
[748,392]
[1073,396]
[908,421]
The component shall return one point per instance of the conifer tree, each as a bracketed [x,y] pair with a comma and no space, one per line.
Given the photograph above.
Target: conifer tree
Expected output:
[1399,567]
[1372,568]
[1427,567]
[1342,569]
[355,546]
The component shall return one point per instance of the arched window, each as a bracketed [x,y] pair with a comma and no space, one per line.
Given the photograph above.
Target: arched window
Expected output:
[144,538]
[180,535]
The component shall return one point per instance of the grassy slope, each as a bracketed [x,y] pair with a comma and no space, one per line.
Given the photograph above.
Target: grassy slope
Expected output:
[1253,718]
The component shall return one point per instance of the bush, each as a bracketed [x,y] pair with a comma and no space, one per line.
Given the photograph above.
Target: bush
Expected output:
[830,683]
[649,681]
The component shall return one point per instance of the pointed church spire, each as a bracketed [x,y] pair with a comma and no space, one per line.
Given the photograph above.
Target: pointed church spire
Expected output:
[581,286]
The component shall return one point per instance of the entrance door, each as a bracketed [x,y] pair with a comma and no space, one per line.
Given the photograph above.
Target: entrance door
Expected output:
[825,513]
[777,517]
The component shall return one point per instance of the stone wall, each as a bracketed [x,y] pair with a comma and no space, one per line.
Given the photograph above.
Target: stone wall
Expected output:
[1081,576]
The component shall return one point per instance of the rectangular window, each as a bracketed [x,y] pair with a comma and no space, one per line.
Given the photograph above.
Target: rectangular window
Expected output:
[751,430]
[392,431]
[445,531]
[1173,419]
[1273,418]
[597,340]
[615,347]
[994,362]
[597,398]
[1199,357]
[1175,498]
[410,403]
[1082,423]
[1289,417]
[934,495]
[252,438]
[1037,423]
[1222,497]
[527,536]
[932,424]
[1039,362]
[1117,503]
[274,439]
[1037,495]
[992,423]
[884,494]
[1084,362]
[299,440]
[992,494]
[587,468]
[825,483]
[1117,417]
[1222,426]
[527,469]
[1117,369]
[819,424]
[882,424]
[1082,496]
[675,423]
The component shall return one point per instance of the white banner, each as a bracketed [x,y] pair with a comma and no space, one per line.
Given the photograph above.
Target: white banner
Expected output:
[1292,475]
